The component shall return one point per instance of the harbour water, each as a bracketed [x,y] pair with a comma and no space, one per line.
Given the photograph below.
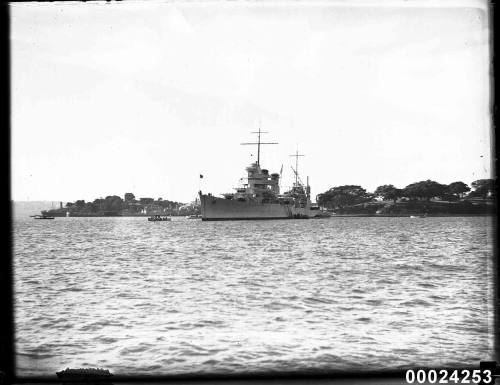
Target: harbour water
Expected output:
[139,297]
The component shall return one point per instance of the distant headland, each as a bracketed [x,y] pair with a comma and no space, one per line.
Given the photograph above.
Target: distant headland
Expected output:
[129,206]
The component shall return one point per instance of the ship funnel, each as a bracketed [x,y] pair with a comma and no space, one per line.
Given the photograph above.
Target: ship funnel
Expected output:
[275,178]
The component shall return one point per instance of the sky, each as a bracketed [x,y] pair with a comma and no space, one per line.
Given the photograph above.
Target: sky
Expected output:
[143,97]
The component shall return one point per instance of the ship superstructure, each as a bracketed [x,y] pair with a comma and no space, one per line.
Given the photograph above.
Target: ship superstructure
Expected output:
[260,197]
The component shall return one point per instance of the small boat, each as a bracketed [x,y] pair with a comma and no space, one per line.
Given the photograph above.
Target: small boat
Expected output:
[84,374]
[158,218]
[194,216]
[42,217]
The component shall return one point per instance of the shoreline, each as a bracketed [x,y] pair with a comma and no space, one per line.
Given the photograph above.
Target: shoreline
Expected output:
[414,215]
[330,217]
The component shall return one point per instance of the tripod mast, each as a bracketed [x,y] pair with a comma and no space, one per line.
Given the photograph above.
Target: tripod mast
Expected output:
[296,155]
[259,143]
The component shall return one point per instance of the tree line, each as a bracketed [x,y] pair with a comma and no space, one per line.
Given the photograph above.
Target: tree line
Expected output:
[115,204]
[348,195]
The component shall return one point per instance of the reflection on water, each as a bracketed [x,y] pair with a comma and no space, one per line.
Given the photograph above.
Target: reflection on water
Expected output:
[140,297]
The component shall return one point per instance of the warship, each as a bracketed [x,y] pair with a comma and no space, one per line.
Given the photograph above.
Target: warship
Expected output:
[260,197]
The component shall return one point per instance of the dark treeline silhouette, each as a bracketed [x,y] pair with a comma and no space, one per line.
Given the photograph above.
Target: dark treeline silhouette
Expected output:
[418,196]
[113,205]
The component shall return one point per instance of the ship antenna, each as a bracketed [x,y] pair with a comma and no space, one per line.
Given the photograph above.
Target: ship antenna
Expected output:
[259,143]
[296,155]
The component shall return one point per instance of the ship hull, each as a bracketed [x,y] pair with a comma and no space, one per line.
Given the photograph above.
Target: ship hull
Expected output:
[221,209]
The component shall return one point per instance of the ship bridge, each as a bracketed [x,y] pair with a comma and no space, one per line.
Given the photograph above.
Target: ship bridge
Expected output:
[261,186]
[260,183]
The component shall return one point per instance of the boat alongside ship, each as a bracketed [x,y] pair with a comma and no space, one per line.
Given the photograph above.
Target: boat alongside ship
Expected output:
[159,218]
[260,198]
[42,217]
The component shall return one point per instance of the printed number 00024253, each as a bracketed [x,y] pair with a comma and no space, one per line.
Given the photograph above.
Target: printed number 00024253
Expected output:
[444,376]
